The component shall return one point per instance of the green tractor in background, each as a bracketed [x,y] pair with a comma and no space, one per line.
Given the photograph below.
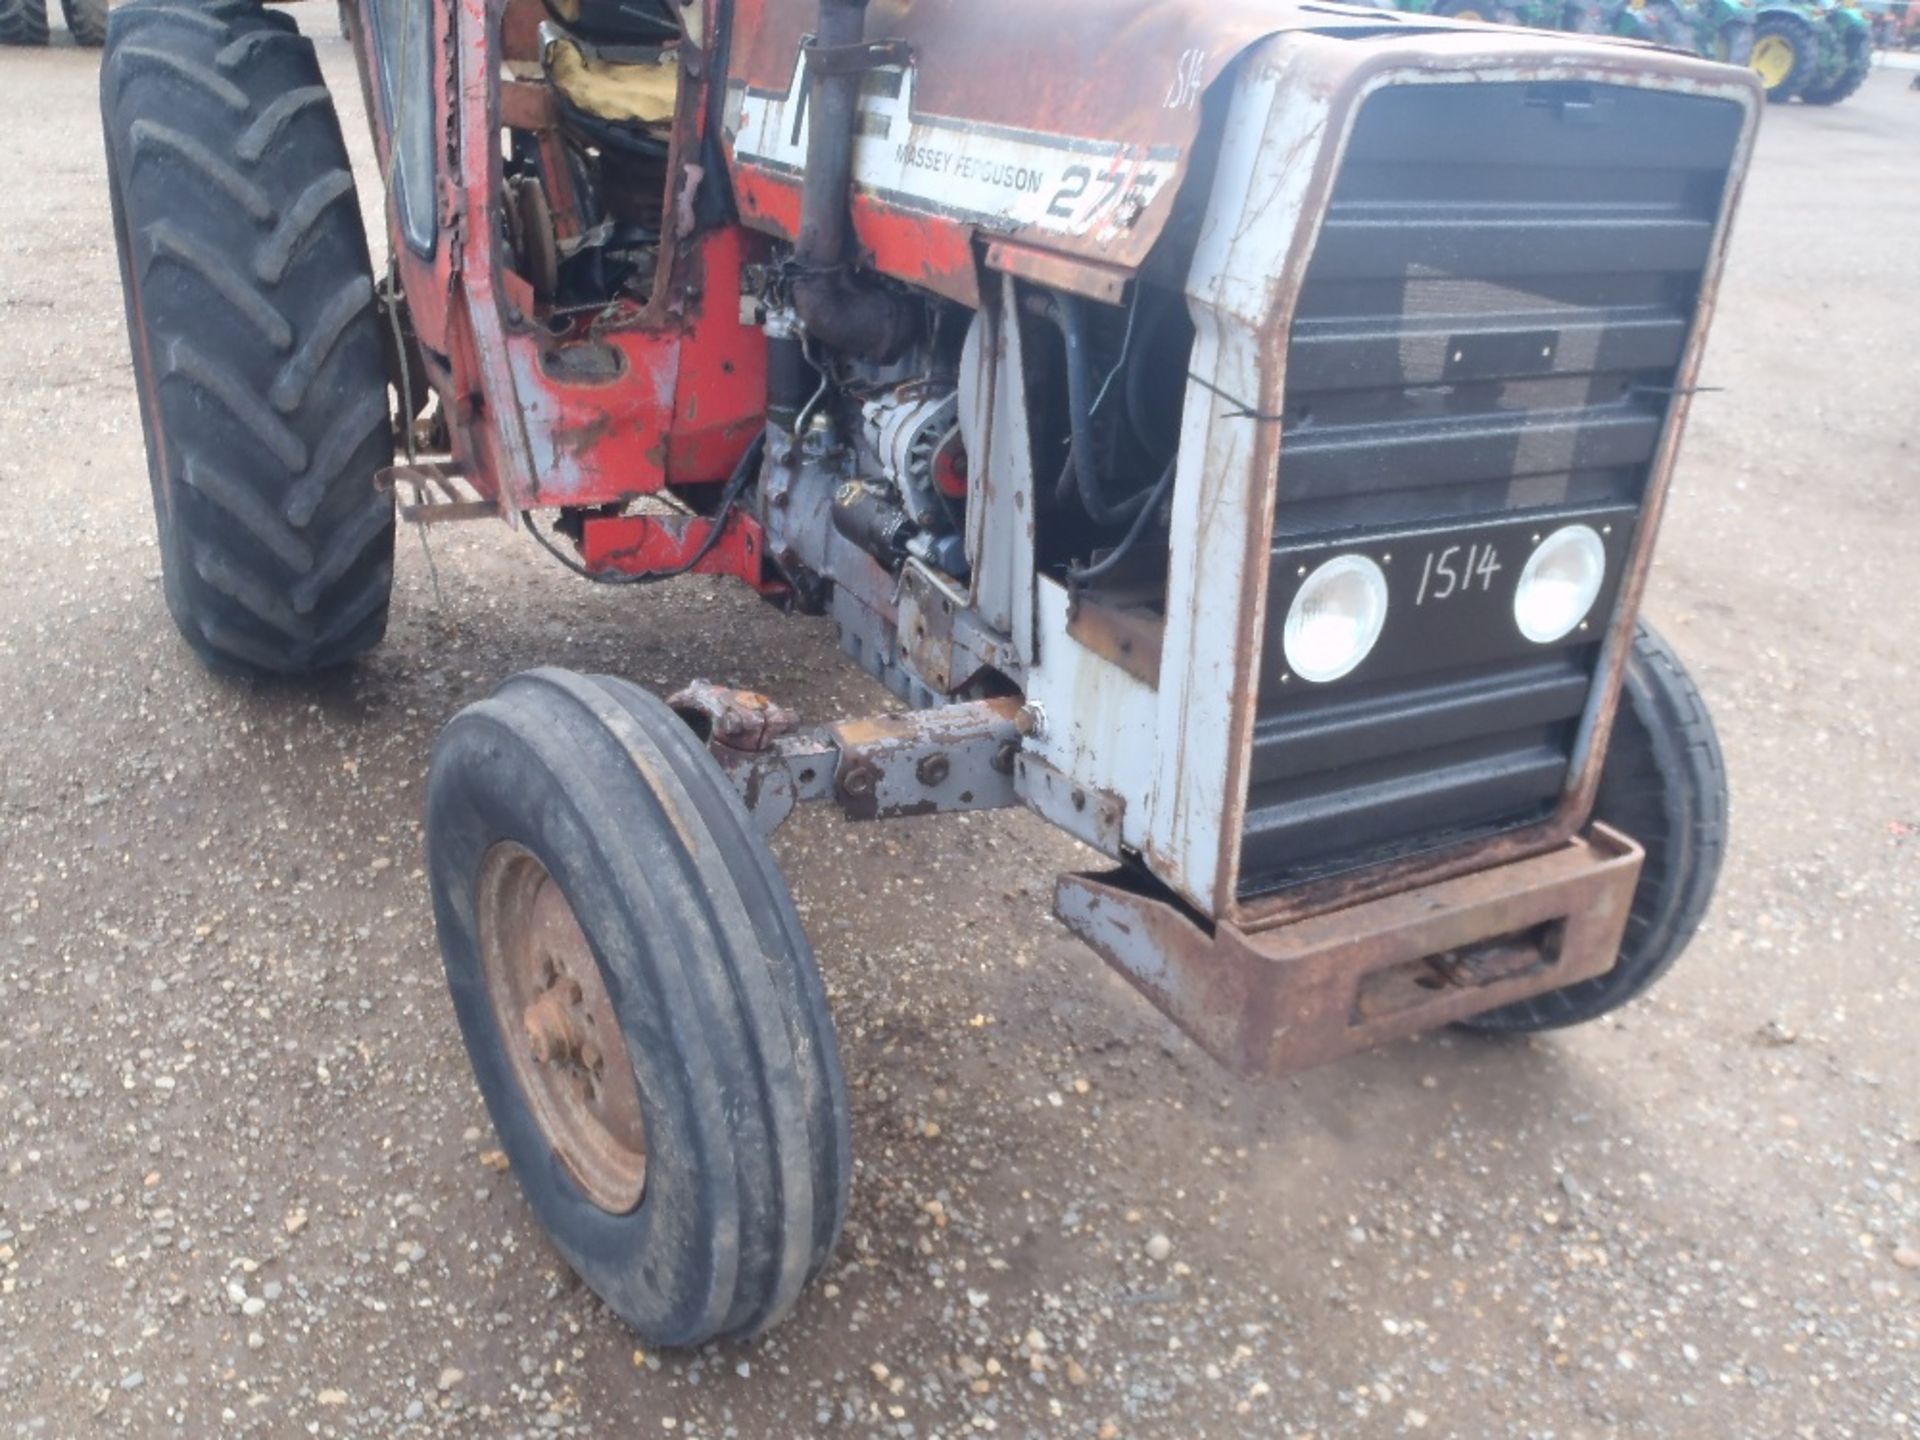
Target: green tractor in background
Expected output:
[1813,50]
[24,22]
[1818,51]
[1664,22]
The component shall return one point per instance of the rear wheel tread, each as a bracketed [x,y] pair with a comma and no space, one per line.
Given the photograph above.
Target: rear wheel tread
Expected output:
[168,242]
[298,223]
[261,134]
[23,22]
[132,62]
[341,309]
[224,385]
[149,138]
[251,513]
[258,350]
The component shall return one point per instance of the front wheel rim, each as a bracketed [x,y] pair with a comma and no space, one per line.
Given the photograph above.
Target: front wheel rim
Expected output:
[1773,60]
[558,1028]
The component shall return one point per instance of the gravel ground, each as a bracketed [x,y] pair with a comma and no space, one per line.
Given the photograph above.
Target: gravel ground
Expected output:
[247,1186]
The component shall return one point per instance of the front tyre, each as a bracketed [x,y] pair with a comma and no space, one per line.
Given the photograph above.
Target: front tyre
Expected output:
[640,1004]
[256,345]
[1664,784]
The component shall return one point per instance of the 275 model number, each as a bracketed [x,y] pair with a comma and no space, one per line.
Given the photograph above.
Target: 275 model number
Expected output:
[1457,570]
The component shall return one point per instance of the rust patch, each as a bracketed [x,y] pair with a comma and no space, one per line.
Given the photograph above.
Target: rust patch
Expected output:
[1281,1000]
[1129,636]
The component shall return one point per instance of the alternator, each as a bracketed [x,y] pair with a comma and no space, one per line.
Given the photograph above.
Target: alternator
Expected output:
[916,434]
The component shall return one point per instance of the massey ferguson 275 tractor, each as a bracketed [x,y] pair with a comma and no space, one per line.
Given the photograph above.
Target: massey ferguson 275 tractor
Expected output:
[1237,432]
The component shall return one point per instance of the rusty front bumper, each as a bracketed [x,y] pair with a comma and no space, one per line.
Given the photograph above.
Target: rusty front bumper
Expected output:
[1286,998]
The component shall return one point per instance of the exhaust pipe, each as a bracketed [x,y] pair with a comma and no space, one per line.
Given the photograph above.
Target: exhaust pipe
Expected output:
[839,308]
[834,97]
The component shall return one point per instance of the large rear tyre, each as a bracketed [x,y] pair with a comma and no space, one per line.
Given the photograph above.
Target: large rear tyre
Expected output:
[87,19]
[1855,65]
[1785,55]
[642,1009]
[256,345]
[1664,784]
[23,22]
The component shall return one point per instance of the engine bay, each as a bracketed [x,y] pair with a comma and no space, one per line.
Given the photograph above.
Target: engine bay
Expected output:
[588,219]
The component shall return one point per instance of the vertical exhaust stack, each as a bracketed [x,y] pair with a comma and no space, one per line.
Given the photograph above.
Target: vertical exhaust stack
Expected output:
[840,308]
[834,96]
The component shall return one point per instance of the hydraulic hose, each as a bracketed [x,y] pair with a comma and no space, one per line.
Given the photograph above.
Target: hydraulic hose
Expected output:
[1070,315]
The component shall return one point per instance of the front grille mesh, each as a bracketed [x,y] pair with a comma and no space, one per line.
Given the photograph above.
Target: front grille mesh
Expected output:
[1490,327]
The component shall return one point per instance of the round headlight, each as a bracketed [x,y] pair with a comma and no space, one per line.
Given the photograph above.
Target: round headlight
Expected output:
[1335,618]
[1561,581]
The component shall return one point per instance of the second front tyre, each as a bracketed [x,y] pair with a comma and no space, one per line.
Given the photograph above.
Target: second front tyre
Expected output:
[640,1004]
[1663,783]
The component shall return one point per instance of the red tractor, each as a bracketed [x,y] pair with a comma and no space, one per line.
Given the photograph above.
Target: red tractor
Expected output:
[1237,431]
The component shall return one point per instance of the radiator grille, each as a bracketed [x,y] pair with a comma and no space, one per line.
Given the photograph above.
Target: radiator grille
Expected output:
[1489,329]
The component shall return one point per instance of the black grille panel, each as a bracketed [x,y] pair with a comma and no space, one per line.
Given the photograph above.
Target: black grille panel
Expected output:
[1490,328]
[1365,770]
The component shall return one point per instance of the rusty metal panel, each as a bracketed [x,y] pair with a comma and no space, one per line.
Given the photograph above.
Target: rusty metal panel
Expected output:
[1069,125]
[1099,731]
[957,757]
[1001,502]
[1281,1000]
[1104,283]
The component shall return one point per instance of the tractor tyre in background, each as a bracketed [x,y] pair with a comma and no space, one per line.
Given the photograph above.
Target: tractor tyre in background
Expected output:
[87,20]
[23,22]
[257,347]
[1855,64]
[1785,55]
[1663,783]
[643,1012]
[1732,43]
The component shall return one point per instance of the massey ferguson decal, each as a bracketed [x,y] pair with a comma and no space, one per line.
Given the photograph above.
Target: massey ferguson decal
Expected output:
[998,178]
